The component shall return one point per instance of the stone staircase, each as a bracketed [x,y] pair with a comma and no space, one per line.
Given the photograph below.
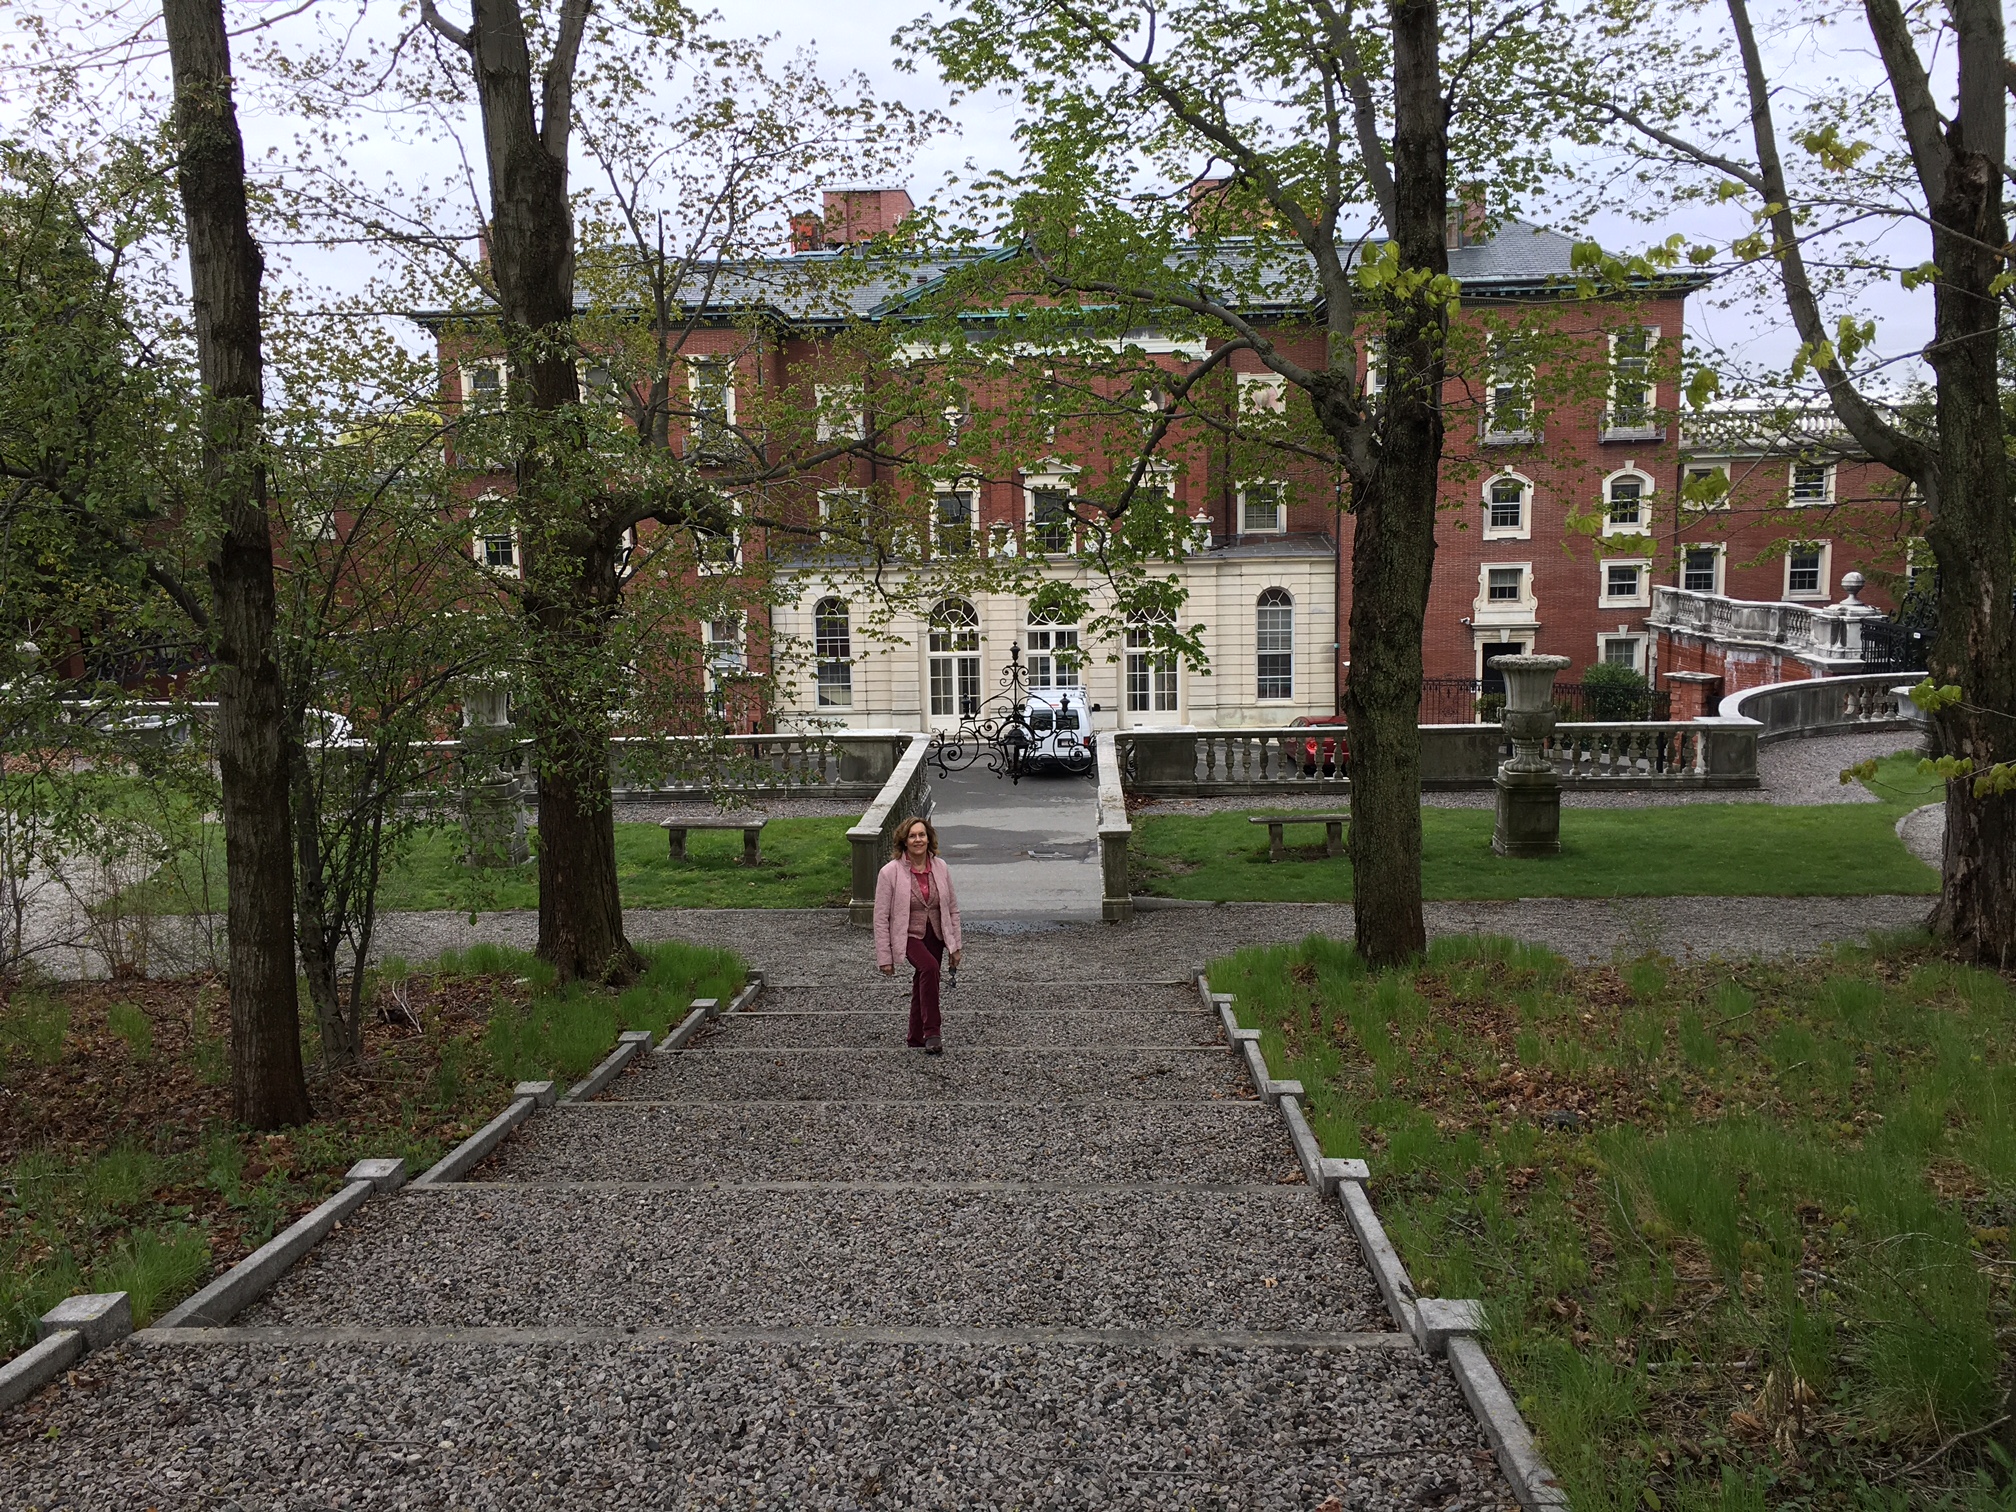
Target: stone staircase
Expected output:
[1072,1263]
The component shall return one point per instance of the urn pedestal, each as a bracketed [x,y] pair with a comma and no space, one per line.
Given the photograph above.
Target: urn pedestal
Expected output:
[1529,789]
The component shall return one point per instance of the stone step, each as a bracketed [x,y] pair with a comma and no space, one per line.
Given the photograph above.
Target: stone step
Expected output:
[991,994]
[897,1141]
[987,1027]
[1258,1257]
[429,1422]
[961,1074]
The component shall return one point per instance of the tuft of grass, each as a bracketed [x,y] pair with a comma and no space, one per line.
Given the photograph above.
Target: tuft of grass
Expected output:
[562,1034]
[32,1027]
[133,1026]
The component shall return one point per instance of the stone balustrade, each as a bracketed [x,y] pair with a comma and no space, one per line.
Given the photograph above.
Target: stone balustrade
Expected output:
[842,764]
[1827,706]
[1712,753]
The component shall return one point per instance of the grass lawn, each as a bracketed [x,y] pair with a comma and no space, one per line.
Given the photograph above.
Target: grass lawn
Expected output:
[1703,849]
[1742,1231]
[120,1169]
[806,864]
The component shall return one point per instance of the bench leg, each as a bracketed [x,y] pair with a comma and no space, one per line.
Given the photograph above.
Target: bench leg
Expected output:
[1333,836]
[752,853]
[1277,849]
[677,839]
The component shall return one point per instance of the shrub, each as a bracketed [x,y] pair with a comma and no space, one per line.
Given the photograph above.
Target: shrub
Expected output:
[1615,691]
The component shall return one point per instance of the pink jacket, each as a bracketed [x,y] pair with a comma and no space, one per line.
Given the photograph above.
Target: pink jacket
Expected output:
[893,897]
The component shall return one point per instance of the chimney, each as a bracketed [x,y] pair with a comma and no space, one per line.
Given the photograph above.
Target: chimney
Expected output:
[808,232]
[1467,218]
[858,215]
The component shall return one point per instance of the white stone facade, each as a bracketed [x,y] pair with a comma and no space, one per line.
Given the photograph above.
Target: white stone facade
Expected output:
[890,675]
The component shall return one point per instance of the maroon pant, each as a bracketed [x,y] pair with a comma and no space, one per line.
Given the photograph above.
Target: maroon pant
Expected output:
[925,955]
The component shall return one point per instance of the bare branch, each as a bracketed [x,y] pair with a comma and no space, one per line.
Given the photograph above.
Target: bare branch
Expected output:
[1364,113]
[1929,153]
[443,26]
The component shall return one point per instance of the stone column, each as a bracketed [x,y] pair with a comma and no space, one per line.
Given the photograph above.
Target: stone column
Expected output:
[1529,789]
[493,813]
[1696,695]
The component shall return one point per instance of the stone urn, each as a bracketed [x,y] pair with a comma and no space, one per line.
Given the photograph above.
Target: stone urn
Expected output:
[1529,789]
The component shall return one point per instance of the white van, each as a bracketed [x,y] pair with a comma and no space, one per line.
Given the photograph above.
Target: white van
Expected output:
[1060,730]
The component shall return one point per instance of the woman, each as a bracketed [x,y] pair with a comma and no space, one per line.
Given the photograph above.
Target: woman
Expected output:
[917,919]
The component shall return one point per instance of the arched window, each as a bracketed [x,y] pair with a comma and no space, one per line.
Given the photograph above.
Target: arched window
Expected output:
[955,659]
[833,651]
[1627,499]
[1274,640]
[1506,498]
[1151,671]
[1053,650]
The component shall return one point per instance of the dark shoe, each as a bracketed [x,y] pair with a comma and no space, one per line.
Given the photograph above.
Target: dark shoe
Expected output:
[932,1047]
[914,1044]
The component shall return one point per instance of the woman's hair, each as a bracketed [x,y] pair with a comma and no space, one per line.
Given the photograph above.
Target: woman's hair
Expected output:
[903,834]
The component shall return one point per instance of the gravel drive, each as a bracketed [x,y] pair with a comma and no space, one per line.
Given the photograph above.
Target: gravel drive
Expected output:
[851,1427]
[1146,1075]
[899,1141]
[1264,1257]
[968,1030]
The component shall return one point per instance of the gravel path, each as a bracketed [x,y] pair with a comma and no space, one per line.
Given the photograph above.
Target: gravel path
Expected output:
[1071,1263]
[1112,1140]
[841,1257]
[853,1427]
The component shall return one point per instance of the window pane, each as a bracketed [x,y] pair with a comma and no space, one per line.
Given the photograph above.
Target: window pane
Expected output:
[1625,497]
[1275,627]
[1699,574]
[1504,583]
[1051,528]
[1803,572]
[836,685]
[1622,582]
[1621,651]
[955,523]
[499,551]
[1508,504]
[1263,507]
[1809,482]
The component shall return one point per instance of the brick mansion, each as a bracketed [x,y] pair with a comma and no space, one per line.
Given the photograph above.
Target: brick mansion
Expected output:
[1604,523]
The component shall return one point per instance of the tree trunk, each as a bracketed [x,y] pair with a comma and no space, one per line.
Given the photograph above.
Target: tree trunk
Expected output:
[1970,535]
[225,267]
[341,1033]
[571,587]
[1393,542]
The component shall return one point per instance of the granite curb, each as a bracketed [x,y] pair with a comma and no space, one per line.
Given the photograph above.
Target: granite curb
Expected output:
[248,1280]
[1439,1326]
[630,1044]
[527,1099]
[64,1335]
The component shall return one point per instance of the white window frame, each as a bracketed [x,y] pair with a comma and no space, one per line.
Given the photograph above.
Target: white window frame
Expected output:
[695,367]
[1504,612]
[466,382]
[1819,594]
[843,411]
[1649,429]
[823,660]
[1263,394]
[1280,526]
[1494,434]
[721,664]
[858,496]
[955,658]
[1643,524]
[1524,530]
[1258,651]
[1155,671]
[1605,637]
[1049,650]
[1062,481]
[1719,550]
[1826,496]
[1375,366]
[480,537]
[1688,470]
[974,534]
[1639,598]
[733,563]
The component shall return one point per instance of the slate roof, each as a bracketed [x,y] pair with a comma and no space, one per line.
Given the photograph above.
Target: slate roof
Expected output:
[824,288]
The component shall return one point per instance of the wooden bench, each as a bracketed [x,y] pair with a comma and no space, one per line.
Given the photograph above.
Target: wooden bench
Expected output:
[1333,831]
[752,832]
